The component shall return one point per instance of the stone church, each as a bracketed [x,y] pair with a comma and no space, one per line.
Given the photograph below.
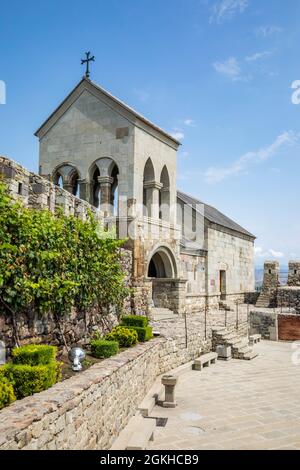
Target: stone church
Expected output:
[186,254]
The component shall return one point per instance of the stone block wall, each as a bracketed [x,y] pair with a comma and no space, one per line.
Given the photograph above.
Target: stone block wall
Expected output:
[294,274]
[38,193]
[265,324]
[289,296]
[231,253]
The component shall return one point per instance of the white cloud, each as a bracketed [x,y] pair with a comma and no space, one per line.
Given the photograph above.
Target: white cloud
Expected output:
[189,122]
[142,95]
[270,253]
[183,154]
[266,31]
[227,9]
[258,56]
[178,135]
[241,165]
[276,254]
[229,68]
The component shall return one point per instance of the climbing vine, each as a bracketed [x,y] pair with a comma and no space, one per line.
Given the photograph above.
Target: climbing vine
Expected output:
[50,263]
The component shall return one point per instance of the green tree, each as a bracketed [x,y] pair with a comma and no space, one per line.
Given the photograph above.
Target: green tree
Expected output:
[52,263]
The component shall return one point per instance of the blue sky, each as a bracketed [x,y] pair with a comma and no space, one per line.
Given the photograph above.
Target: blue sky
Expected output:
[216,73]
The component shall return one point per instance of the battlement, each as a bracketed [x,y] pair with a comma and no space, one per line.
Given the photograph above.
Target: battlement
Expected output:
[39,193]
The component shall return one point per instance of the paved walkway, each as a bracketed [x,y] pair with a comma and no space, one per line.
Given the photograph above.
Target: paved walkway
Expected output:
[236,405]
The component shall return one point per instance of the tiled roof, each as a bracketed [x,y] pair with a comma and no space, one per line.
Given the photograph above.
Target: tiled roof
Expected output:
[213,215]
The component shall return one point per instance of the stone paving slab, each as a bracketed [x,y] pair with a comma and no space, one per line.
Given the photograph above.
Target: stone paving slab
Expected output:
[236,405]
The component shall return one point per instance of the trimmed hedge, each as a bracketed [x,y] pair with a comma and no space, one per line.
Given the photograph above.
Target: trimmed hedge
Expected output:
[135,320]
[27,379]
[126,337]
[7,395]
[34,354]
[101,348]
[144,334]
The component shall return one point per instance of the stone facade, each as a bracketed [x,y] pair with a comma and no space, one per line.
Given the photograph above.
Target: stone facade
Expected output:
[97,146]
[231,256]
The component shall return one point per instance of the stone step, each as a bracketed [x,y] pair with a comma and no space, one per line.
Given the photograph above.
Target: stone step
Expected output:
[131,439]
[249,356]
[160,310]
[241,344]
[155,394]
[162,317]
[243,350]
[158,314]
[229,337]
[142,436]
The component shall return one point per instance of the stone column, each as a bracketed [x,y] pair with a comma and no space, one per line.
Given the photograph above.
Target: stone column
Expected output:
[84,190]
[68,187]
[152,198]
[169,382]
[105,193]
[165,204]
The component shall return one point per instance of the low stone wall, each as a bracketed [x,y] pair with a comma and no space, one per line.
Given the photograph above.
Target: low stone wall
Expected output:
[89,410]
[264,323]
[289,296]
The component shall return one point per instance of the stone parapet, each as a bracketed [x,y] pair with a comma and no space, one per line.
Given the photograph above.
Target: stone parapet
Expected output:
[89,410]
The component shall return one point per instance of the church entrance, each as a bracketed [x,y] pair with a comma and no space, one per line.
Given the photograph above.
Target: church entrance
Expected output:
[162,271]
[223,284]
[161,266]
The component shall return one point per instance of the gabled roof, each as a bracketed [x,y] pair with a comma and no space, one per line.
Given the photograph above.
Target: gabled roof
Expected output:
[86,84]
[213,215]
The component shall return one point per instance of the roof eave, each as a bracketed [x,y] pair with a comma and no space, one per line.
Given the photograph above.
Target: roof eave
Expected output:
[117,101]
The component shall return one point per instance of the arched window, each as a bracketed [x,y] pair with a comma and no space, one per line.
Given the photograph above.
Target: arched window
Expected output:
[67,177]
[58,180]
[164,196]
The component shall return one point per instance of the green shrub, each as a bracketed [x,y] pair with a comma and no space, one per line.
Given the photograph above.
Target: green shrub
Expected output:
[124,336]
[34,354]
[7,395]
[144,334]
[135,320]
[27,380]
[102,348]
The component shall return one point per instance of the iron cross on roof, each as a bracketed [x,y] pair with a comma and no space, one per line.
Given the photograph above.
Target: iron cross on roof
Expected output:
[87,62]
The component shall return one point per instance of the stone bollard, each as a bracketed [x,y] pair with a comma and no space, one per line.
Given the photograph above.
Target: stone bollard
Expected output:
[169,382]
[224,352]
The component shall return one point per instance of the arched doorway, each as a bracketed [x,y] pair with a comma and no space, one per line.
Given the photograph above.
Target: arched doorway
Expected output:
[162,264]
[162,271]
